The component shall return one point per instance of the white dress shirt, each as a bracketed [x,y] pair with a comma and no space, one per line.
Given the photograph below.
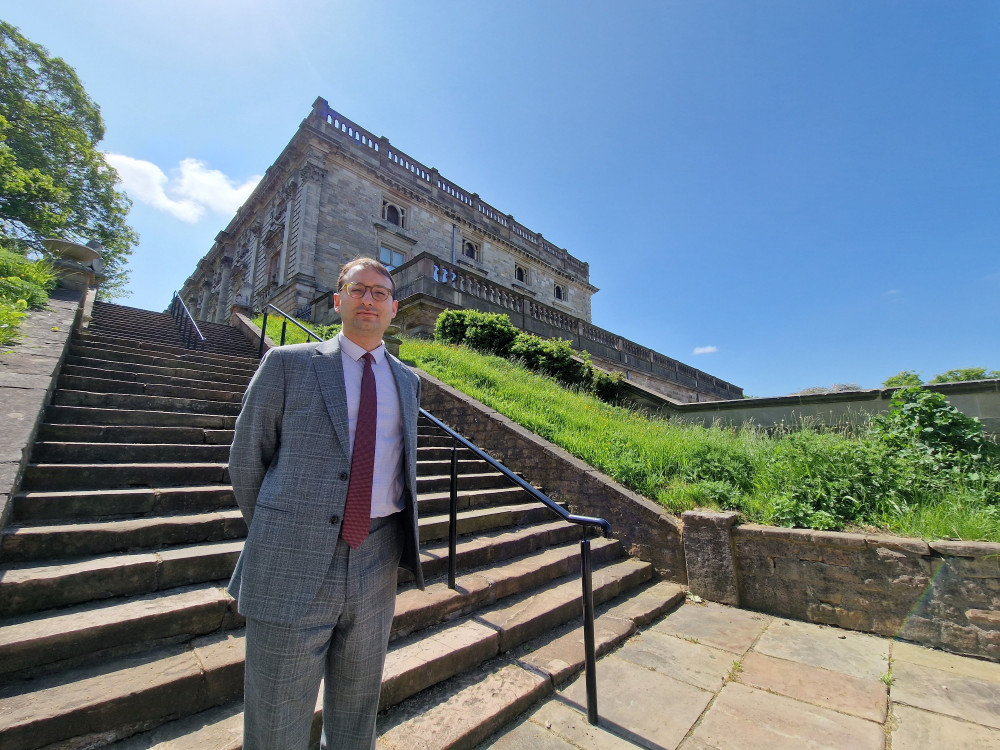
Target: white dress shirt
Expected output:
[387,479]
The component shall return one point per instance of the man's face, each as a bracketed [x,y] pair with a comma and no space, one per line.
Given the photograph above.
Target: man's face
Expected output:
[365,320]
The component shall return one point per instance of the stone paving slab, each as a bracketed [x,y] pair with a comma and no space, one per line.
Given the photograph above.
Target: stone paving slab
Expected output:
[744,718]
[919,730]
[846,651]
[702,666]
[866,699]
[949,693]
[644,707]
[556,726]
[716,625]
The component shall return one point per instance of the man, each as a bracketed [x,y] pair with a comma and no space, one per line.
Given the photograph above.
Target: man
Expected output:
[323,466]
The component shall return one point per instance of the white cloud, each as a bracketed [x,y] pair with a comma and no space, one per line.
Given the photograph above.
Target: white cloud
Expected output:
[706,349]
[190,190]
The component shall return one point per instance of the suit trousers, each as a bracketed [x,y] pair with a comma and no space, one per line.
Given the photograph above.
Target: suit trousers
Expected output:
[342,639]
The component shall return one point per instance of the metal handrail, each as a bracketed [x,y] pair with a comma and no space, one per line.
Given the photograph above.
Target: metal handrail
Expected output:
[284,327]
[185,322]
[586,563]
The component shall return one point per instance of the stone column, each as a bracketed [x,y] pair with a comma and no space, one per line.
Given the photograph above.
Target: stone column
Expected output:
[225,282]
[206,295]
[311,178]
[708,555]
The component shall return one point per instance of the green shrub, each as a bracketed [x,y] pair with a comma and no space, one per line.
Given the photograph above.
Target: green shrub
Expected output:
[490,333]
[450,327]
[10,318]
[553,357]
[38,272]
[13,288]
[608,386]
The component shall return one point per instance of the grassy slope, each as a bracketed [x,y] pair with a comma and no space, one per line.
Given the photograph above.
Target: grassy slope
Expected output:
[806,478]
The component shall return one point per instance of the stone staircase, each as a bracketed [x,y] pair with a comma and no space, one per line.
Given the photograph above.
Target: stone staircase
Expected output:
[115,627]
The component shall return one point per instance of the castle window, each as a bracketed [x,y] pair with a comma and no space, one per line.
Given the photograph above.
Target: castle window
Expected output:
[470,250]
[390,258]
[520,274]
[394,214]
[559,292]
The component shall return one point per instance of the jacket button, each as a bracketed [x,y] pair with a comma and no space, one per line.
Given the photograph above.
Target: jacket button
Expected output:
[334,519]
[343,476]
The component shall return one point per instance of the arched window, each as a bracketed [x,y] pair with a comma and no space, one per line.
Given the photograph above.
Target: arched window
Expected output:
[394,214]
[520,275]
[469,250]
[559,292]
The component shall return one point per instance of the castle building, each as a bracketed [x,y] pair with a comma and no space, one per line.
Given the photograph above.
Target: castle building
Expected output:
[337,191]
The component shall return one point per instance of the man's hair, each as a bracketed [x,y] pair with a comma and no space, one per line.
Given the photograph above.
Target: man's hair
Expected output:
[365,263]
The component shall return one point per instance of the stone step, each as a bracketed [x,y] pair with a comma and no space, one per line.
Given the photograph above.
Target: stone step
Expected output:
[177,389]
[75,364]
[217,337]
[99,433]
[97,631]
[125,694]
[166,349]
[466,707]
[238,366]
[81,539]
[442,483]
[79,453]
[87,372]
[46,584]
[90,415]
[94,631]
[29,587]
[64,397]
[113,476]
[93,705]
[434,468]
[77,504]
[439,502]
[466,710]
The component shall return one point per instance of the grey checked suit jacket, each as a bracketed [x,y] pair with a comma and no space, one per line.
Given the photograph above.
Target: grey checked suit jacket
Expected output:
[289,465]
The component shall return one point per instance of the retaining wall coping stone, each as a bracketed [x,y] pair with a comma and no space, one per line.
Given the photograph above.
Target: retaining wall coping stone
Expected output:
[967,549]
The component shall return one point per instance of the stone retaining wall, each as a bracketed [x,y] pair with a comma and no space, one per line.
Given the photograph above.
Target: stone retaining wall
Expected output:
[646,531]
[940,594]
[28,372]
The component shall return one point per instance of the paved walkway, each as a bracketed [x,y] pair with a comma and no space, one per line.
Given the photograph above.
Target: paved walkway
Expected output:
[709,676]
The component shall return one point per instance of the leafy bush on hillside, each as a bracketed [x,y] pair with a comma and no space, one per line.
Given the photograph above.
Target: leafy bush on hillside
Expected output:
[23,284]
[493,333]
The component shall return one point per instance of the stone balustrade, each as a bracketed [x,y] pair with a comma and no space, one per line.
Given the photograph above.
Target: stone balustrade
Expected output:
[503,225]
[461,287]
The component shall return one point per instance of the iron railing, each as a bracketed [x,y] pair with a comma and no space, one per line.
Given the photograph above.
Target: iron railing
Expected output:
[284,327]
[586,561]
[191,335]
[586,564]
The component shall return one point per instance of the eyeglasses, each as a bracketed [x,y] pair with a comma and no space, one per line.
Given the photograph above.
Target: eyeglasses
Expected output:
[357,290]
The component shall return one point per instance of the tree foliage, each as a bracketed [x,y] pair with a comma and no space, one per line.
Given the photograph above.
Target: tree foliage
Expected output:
[903,379]
[965,373]
[53,180]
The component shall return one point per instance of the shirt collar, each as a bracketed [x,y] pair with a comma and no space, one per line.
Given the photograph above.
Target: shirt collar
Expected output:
[356,352]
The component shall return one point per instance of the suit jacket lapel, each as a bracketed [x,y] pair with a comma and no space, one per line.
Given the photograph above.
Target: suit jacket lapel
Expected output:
[330,374]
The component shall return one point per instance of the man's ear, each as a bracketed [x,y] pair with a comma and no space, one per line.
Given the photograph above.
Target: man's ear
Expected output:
[336,302]
[395,306]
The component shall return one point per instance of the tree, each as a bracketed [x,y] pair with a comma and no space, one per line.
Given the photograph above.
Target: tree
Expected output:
[965,373]
[903,379]
[53,180]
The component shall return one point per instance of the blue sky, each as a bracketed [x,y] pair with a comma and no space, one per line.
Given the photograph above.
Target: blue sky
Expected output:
[784,193]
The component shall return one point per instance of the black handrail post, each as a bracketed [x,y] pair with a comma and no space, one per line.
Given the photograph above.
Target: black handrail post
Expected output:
[263,335]
[588,629]
[453,520]
[284,327]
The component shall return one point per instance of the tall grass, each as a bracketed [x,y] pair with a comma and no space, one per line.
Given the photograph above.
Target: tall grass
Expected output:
[810,477]
[24,284]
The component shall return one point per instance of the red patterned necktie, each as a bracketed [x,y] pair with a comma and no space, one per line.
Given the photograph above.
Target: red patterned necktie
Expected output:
[357,511]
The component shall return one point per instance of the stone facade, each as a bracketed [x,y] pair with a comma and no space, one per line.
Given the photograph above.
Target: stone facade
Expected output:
[337,191]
